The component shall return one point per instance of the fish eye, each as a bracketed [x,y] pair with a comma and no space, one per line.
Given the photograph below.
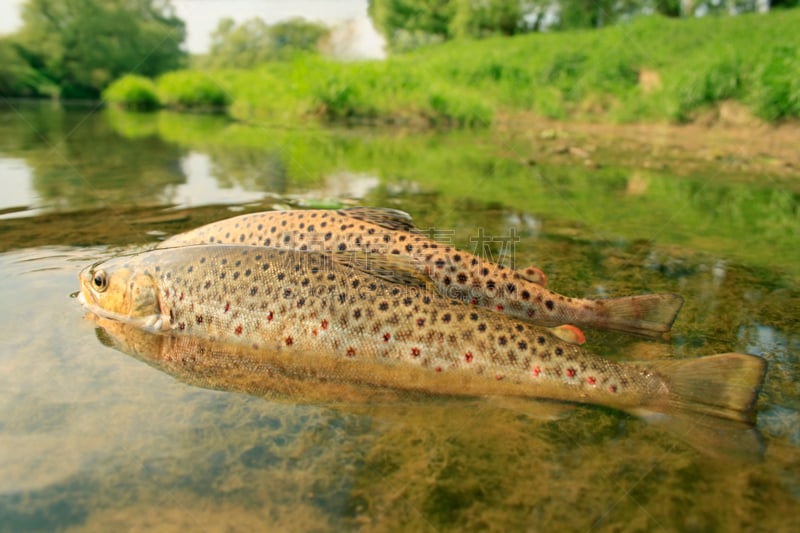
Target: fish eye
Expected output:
[100,281]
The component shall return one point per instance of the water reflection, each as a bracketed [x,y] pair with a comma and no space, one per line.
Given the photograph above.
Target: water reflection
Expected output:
[91,439]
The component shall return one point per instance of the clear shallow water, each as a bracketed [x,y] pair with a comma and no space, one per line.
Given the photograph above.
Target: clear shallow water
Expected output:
[93,439]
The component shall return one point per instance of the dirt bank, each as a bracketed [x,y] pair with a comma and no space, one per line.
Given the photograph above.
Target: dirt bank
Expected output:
[721,143]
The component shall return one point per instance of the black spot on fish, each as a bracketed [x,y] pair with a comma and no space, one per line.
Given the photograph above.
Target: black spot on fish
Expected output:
[280,276]
[549,304]
[481,327]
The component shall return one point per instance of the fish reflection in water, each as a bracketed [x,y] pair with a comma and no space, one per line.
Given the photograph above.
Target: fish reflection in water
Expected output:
[323,381]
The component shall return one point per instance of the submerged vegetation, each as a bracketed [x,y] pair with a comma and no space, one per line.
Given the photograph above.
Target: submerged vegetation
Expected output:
[652,68]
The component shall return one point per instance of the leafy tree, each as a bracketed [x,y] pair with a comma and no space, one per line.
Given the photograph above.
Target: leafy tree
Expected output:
[84,44]
[784,3]
[394,18]
[241,46]
[480,18]
[255,42]
[295,35]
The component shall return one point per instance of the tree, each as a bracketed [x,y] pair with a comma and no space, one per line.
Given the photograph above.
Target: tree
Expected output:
[255,42]
[85,44]
[482,18]
[240,46]
[295,35]
[426,17]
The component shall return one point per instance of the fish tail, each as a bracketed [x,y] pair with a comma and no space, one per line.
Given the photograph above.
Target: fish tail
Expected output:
[710,402]
[649,315]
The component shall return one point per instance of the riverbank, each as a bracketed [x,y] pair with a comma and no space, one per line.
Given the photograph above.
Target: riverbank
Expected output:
[651,69]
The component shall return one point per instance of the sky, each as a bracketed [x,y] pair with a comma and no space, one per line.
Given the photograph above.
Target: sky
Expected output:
[201,16]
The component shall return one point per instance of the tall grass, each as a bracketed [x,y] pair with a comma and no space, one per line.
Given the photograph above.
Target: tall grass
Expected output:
[692,64]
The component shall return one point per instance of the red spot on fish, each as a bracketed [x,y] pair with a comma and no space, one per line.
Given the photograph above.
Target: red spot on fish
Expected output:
[530,312]
[415,351]
[182,326]
[351,352]
[438,369]
[571,372]
[474,301]
[499,307]
[315,332]
[324,324]
[387,336]
[238,329]
[468,357]
[613,388]
[499,377]
[289,341]
[270,316]
[590,380]
[181,298]
[227,306]
[536,371]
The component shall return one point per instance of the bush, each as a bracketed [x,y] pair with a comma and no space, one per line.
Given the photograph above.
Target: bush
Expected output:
[186,89]
[132,92]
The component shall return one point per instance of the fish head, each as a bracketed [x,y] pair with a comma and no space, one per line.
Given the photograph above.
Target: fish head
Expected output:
[119,289]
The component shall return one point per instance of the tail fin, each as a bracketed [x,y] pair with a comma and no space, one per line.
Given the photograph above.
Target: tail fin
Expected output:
[650,315]
[711,402]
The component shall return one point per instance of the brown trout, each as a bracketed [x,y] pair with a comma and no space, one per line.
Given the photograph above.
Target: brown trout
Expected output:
[395,333]
[456,274]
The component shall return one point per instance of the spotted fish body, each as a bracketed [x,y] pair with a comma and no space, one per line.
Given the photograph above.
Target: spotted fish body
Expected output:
[387,333]
[456,274]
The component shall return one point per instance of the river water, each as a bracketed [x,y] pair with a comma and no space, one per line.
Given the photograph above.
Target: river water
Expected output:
[94,439]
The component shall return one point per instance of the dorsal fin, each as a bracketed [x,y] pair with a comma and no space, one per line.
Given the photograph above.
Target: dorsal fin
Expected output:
[392,268]
[392,219]
[533,274]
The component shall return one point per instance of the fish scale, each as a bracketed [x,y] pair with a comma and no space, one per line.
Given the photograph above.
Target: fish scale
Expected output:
[455,273]
[394,334]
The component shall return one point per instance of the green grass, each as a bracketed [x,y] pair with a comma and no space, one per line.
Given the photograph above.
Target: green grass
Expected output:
[594,74]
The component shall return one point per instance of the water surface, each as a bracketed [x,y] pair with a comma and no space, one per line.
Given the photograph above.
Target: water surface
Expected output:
[94,439]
